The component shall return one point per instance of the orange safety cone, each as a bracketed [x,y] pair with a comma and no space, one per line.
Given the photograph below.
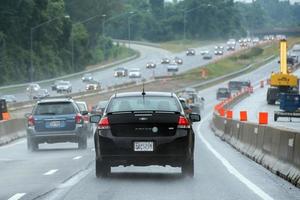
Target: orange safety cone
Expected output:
[5,116]
[222,112]
[261,84]
[243,116]
[229,114]
[263,118]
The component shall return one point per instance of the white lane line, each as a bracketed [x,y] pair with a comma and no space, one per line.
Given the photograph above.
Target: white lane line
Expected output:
[17,196]
[50,172]
[12,144]
[77,157]
[231,169]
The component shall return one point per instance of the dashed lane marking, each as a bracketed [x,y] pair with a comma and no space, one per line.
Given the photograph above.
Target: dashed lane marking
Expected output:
[50,172]
[254,188]
[17,196]
[77,157]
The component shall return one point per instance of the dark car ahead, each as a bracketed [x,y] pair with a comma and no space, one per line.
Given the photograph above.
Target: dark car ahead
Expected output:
[238,85]
[223,93]
[144,129]
[190,52]
[55,120]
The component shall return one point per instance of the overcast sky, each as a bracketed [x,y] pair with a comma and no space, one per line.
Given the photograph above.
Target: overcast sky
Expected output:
[292,1]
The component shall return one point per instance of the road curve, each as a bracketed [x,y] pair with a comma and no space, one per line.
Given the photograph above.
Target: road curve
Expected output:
[59,171]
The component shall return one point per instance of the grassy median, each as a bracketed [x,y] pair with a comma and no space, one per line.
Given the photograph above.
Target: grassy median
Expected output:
[181,45]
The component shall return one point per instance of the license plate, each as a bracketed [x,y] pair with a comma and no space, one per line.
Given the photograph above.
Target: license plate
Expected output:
[143,146]
[54,124]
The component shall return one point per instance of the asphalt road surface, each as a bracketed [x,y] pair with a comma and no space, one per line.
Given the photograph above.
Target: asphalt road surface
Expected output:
[60,171]
[106,78]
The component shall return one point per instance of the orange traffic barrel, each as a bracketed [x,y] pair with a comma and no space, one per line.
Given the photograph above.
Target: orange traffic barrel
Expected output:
[243,116]
[5,116]
[263,118]
[222,112]
[229,114]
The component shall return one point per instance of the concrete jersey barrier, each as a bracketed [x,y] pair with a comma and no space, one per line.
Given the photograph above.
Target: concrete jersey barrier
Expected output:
[277,149]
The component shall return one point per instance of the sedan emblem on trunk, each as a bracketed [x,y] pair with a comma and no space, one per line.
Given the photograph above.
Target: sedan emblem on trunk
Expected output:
[143,118]
[154,129]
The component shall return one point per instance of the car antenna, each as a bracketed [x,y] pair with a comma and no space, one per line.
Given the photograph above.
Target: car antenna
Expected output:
[143,92]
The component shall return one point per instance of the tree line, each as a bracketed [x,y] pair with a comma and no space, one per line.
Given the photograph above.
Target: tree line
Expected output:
[42,39]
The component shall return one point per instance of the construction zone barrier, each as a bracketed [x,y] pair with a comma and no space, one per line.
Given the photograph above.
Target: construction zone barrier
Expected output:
[277,149]
[243,116]
[263,118]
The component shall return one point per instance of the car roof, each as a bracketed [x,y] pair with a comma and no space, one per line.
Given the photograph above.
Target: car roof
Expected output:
[134,94]
[55,99]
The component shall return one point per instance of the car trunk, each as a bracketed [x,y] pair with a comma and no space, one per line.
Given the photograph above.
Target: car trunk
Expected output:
[48,123]
[144,124]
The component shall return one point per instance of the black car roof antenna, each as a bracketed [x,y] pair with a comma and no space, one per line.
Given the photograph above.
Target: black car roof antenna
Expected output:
[143,92]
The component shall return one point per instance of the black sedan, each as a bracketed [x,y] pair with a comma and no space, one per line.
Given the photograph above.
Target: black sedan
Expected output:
[143,129]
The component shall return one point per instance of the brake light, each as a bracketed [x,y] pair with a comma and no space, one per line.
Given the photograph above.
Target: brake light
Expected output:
[78,119]
[183,122]
[30,121]
[104,123]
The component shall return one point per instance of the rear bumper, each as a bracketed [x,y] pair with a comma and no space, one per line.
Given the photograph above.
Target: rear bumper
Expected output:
[117,151]
[57,136]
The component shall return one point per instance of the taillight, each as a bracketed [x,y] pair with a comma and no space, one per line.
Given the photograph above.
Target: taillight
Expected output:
[104,123]
[183,122]
[30,121]
[78,119]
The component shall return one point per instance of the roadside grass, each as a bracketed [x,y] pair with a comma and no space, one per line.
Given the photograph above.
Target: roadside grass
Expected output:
[256,56]
[176,46]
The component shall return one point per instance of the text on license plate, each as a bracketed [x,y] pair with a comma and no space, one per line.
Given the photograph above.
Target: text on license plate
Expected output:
[54,124]
[143,146]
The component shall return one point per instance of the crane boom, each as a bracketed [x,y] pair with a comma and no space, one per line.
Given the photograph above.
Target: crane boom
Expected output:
[283,57]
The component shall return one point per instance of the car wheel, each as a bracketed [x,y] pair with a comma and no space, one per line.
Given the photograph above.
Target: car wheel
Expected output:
[187,168]
[32,145]
[102,169]
[82,143]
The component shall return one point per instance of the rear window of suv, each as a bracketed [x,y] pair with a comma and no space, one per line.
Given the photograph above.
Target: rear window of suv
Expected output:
[54,108]
[148,103]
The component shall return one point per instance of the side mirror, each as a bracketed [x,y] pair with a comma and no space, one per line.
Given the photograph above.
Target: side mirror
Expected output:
[27,115]
[202,99]
[84,112]
[95,119]
[195,117]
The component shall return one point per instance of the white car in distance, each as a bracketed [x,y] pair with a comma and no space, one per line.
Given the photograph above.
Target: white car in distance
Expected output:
[134,73]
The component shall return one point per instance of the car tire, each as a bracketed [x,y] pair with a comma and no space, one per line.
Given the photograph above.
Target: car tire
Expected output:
[32,145]
[102,169]
[187,168]
[82,143]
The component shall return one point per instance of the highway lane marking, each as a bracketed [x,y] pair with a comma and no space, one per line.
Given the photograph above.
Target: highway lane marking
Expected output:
[17,196]
[231,169]
[77,157]
[12,144]
[50,172]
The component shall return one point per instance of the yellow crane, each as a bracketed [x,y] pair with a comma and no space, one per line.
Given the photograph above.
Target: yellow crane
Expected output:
[283,81]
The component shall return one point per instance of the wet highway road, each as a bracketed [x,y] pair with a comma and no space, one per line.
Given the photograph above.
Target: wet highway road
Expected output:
[147,53]
[60,171]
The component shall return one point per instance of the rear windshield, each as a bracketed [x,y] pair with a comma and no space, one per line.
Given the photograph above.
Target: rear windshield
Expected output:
[223,90]
[82,107]
[54,108]
[102,104]
[148,103]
